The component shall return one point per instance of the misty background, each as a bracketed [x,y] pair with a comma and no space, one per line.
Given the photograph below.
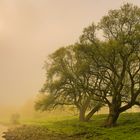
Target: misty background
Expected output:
[32,29]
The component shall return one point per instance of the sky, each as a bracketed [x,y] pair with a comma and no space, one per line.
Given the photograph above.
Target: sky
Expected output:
[30,30]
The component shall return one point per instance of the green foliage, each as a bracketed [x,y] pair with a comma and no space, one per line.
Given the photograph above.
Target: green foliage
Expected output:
[121,24]
[89,35]
[45,102]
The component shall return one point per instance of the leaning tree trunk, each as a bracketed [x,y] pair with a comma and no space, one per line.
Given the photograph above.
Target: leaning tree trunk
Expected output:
[112,117]
[92,112]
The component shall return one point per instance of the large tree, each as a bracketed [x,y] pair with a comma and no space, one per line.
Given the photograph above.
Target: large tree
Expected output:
[116,59]
[122,61]
[68,77]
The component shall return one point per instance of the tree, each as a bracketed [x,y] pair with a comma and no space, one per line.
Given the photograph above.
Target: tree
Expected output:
[68,80]
[116,59]
[15,118]
[119,64]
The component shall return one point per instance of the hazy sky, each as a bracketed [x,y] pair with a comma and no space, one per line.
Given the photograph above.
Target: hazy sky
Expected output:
[32,29]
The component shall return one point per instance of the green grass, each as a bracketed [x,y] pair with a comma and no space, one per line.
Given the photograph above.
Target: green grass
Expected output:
[128,127]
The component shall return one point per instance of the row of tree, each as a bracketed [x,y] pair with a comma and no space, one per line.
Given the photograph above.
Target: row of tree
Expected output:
[94,73]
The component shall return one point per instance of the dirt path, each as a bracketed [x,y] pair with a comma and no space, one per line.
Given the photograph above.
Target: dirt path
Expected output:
[2,129]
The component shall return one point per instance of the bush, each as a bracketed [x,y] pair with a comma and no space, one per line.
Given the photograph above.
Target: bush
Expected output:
[34,133]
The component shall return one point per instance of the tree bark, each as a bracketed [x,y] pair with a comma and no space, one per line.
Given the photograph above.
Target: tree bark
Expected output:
[112,118]
[82,115]
[82,109]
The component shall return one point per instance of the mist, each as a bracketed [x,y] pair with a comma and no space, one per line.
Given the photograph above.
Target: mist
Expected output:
[29,32]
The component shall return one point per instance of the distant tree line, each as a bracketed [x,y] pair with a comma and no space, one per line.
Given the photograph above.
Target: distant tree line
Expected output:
[96,72]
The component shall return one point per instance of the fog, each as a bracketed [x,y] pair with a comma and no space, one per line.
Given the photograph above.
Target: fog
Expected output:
[32,29]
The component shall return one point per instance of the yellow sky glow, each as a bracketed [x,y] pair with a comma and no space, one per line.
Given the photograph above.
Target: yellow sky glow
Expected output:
[32,29]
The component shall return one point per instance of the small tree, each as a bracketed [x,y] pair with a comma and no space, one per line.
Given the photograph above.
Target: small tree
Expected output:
[15,118]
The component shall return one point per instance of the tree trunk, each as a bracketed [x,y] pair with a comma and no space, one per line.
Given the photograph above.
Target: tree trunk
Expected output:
[90,114]
[82,115]
[82,109]
[112,118]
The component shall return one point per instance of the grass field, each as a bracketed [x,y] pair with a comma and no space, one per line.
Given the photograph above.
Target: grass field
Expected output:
[70,128]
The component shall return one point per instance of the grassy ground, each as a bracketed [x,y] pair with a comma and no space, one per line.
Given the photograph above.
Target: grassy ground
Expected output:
[69,128]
